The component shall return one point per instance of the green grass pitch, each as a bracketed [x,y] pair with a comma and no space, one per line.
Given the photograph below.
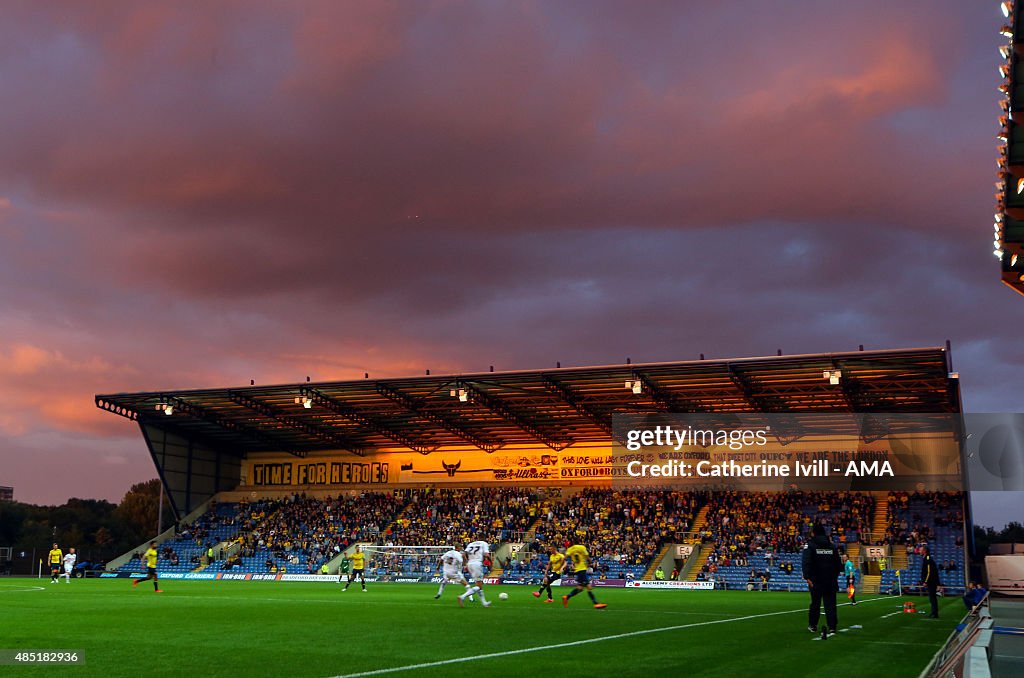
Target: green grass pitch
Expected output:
[241,629]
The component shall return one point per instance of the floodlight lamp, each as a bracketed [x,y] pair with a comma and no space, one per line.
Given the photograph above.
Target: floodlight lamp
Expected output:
[1004,71]
[1004,51]
[168,409]
[1006,31]
[1013,260]
[637,387]
[1007,8]
[833,376]
[463,395]
[307,402]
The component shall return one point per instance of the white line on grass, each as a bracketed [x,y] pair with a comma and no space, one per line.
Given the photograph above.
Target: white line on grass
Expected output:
[19,588]
[573,643]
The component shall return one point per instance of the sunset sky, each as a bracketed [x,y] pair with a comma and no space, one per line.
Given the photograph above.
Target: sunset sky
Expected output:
[199,194]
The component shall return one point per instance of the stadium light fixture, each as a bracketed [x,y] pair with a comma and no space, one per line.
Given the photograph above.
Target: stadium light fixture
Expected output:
[635,385]
[1007,8]
[166,408]
[1013,260]
[833,376]
[1004,51]
[1004,71]
[1006,31]
[460,393]
[305,401]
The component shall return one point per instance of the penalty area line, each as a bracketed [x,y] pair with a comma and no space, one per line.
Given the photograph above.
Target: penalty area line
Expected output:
[572,643]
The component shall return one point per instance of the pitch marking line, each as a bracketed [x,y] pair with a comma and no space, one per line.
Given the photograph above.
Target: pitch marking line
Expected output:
[574,643]
[20,588]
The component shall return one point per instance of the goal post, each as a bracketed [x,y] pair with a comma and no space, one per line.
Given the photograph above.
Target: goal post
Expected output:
[404,559]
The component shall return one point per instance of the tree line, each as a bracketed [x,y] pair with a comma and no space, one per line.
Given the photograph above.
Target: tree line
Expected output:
[98,529]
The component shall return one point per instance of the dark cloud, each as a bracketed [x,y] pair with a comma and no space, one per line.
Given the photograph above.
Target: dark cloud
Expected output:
[195,194]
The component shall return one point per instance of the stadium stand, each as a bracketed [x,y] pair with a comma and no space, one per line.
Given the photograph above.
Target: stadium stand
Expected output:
[933,519]
[622,529]
[455,517]
[749,540]
[754,540]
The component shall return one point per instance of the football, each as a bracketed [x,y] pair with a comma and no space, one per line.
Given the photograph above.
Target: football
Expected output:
[503,596]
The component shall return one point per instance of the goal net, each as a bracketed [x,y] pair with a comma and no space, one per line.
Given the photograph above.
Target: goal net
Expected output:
[406,560]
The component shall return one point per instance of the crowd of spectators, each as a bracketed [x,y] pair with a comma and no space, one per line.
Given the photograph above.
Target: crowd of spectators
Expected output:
[310,531]
[455,517]
[910,528]
[618,527]
[740,524]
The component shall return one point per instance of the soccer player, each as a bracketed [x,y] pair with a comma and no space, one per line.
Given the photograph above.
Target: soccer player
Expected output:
[821,568]
[358,567]
[150,557]
[451,571]
[851,579]
[553,572]
[69,564]
[577,553]
[56,555]
[475,552]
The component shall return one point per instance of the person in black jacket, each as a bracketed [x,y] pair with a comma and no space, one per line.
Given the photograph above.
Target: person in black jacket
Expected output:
[821,568]
[930,578]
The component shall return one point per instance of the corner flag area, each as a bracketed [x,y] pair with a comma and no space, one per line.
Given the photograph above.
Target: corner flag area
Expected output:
[311,629]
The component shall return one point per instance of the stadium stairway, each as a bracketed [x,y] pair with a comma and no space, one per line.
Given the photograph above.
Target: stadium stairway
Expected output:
[898,558]
[880,522]
[698,563]
[649,573]
[871,583]
[694,568]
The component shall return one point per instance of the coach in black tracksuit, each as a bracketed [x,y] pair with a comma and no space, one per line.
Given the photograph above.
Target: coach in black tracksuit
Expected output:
[930,578]
[821,568]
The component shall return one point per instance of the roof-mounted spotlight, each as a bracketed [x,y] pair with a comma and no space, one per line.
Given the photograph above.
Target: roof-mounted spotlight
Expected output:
[460,393]
[635,385]
[1006,31]
[1007,8]
[305,401]
[833,376]
[1004,51]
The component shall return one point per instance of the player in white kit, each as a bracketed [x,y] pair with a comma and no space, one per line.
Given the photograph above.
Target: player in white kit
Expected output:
[475,552]
[451,570]
[69,564]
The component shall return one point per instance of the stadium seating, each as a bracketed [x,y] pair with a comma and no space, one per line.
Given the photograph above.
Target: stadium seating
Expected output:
[756,538]
[934,519]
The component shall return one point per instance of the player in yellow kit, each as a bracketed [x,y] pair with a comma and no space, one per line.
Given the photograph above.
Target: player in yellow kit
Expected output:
[577,554]
[358,567]
[55,558]
[150,557]
[552,573]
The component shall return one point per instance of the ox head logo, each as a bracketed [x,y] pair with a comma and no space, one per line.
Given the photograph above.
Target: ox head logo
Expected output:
[451,468]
